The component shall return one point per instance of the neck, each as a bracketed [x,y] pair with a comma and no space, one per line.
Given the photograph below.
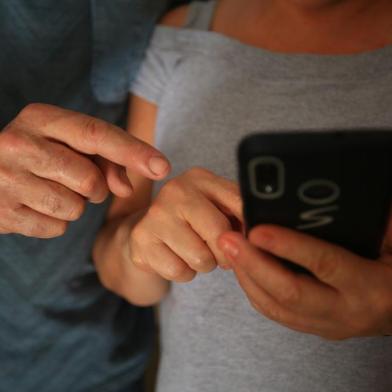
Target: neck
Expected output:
[312,26]
[322,12]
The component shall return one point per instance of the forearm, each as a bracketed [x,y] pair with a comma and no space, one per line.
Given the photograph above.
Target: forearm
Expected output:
[117,272]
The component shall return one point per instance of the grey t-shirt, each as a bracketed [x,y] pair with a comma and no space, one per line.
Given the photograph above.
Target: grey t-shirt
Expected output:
[213,90]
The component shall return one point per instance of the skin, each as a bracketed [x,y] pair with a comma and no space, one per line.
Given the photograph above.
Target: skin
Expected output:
[47,175]
[307,26]
[349,296]
[144,244]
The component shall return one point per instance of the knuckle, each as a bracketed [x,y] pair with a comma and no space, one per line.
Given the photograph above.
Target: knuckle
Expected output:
[13,142]
[325,269]
[138,234]
[156,211]
[173,185]
[94,131]
[143,264]
[139,148]
[8,179]
[60,161]
[31,110]
[60,228]
[289,296]
[51,203]
[198,172]
[139,262]
[269,311]
[77,210]
[361,326]
[18,145]
[275,314]
[90,184]
[325,265]
[43,230]
[177,272]
[173,189]
[219,225]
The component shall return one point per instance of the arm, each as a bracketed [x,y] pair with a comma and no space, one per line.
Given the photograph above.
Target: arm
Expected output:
[175,236]
[116,270]
[143,246]
[136,285]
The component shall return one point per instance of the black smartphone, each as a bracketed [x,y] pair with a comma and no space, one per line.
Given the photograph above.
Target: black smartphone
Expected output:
[335,185]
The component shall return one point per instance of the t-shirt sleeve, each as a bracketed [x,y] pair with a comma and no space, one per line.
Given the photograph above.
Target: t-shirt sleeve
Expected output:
[162,56]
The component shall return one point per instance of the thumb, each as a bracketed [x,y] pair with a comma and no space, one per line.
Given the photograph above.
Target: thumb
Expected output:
[116,178]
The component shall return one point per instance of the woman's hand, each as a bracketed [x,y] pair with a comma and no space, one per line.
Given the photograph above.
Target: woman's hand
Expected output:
[349,297]
[177,236]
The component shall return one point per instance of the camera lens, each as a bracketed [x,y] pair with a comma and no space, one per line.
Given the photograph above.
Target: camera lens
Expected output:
[267,178]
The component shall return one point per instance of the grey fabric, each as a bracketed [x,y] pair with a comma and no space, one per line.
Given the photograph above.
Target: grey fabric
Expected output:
[212,91]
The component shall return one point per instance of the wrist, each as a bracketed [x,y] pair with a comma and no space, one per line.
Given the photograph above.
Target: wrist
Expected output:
[110,252]
[136,283]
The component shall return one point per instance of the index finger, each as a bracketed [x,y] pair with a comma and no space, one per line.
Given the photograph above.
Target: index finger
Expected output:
[329,263]
[93,136]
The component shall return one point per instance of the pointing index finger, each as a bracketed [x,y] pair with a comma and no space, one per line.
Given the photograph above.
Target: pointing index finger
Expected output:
[93,136]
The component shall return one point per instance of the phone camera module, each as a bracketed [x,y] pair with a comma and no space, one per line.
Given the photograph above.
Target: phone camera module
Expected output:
[267,177]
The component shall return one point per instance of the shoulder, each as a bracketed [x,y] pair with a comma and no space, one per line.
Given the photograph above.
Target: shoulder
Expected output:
[176,17]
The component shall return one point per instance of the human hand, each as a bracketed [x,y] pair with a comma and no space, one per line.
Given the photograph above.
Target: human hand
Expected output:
[177,236]
[52,160]
[349,296]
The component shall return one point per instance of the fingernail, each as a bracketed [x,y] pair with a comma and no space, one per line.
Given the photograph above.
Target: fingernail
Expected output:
[158,166]
[230,248]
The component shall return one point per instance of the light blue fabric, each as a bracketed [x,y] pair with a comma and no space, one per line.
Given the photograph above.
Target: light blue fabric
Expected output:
[59,329]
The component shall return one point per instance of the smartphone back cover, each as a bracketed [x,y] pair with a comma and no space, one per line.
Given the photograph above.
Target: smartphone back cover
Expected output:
[333,185]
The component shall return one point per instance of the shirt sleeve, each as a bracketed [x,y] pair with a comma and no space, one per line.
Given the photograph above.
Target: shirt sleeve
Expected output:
[161,59]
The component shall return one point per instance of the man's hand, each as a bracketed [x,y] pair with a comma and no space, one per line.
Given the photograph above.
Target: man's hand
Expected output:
[52,160]
[349,296]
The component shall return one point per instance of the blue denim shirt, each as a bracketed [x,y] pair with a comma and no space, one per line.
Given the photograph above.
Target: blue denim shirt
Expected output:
[59,329]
